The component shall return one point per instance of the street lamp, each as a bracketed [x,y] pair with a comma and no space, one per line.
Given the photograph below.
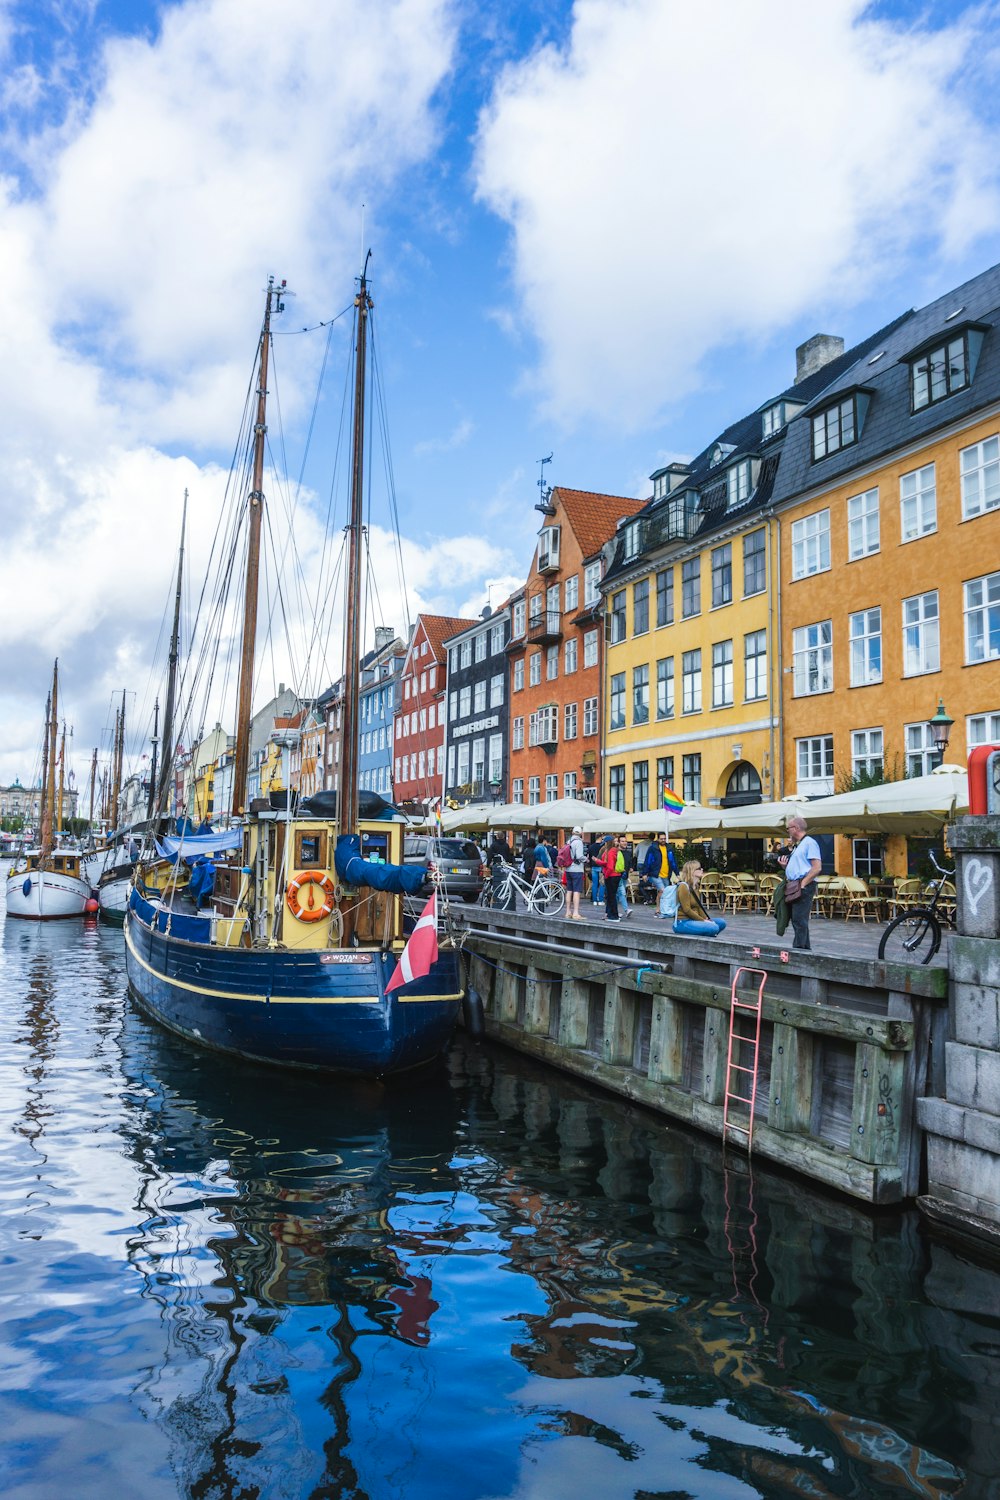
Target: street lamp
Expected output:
[940,728]
[496,787]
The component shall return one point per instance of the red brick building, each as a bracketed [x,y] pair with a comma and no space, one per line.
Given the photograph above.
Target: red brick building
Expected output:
[419,722]
[556,651]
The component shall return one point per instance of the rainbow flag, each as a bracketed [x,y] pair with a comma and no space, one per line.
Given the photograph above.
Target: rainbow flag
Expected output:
[671,802]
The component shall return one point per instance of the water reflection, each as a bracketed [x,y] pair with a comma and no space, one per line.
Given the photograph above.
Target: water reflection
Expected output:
[487,1284]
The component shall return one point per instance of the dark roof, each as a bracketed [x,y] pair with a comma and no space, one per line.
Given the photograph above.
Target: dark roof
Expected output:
[745,438]
[889,424]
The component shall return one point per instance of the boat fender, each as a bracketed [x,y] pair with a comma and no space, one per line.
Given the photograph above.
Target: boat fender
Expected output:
[473,1014]
[310,913]
[26,887]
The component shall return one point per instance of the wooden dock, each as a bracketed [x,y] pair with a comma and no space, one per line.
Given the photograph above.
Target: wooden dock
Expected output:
[848,1044]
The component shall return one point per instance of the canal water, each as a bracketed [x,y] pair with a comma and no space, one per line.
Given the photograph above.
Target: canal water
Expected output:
[220,1281]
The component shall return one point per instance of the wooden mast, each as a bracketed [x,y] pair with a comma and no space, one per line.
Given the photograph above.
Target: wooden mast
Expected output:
[44,790]
[62,780]
[119,760]
[167,764]
[152,770]
[347,801]
[93,786]
[241,757]
[48,806]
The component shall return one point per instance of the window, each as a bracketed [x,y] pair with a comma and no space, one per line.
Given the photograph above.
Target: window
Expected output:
[866,753]
[640,786]
[536,608]
[640,607]
[774,419]
[665,688]
[517,788]
[535,669]
[980,469]
[543,726]
[691,588]
[835,428]
[519,674]
[453,655]
[617,701]
[722,674]
[812,659]
[463,762]
[738,483]
[616,788]
[814,760]
[551,663]
[466,654]
[569,716]
[479,698]
[691,783]
[590,725]
[590,648]
[569,783]
[665,597]
[691,682]
[865,630]
[982,729]
[631,538]
[496,639]
[592,583]
[534,785]
[982,619]
[640,696]
[453,706]
[811,544]
[616,616]
[862,525]
[481,643]
[754,564]
[518,619]
[548,547]
[552,787]
[939,373]
[922,755]
[464,704]
[917,503]
[569,654]
[867,858]
[722,575]
[552,594]
[664,776]
[517,739]
[496,690]
[921,634]
[572,586]
[755,665]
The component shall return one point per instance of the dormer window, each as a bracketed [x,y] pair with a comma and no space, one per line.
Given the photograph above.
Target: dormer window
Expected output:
[661,484]
[720,452]
[631,540]
[839,425]
[939,371]
[739,483]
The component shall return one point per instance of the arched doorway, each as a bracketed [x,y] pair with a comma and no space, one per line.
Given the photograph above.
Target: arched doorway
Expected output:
[743,787]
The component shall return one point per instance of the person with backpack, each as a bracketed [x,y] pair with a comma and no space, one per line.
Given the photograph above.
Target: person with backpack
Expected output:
[570,860]
[660,868]
[692,919]
[625,849]
[595,853]
[613,869]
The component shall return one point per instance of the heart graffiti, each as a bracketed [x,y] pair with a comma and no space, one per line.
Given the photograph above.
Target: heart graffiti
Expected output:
[977,880]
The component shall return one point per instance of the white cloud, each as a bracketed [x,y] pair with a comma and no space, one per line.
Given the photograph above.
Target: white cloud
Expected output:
[459,435]
[683,177]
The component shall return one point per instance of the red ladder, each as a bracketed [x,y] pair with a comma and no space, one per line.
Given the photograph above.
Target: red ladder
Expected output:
[745,1075]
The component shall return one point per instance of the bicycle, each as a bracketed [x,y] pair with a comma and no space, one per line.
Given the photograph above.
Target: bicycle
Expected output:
[915,935]
[543,897]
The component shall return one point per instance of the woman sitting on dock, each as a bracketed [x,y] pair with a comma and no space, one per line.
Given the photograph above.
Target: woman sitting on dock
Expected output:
[692,919]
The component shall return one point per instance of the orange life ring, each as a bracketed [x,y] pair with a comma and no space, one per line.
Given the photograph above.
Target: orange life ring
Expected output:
[310,913]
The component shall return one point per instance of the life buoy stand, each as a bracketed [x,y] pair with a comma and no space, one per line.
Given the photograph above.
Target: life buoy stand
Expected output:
[308,909]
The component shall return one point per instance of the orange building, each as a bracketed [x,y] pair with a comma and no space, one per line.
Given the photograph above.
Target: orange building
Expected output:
[556,650]
[890,560]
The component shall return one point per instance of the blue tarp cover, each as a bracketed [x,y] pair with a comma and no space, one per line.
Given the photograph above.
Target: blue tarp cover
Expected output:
[400,880]
[194,844]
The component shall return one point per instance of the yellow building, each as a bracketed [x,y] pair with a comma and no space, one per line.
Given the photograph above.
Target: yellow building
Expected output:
[889,512]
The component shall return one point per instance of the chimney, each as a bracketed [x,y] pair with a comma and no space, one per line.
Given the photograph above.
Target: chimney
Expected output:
[384,634]
[815,353]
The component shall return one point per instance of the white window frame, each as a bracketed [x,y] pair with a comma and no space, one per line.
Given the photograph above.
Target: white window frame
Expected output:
[812,659]
[979,467]
[922,755]
[590,648]
[918,503]
[572,592]
[814,756]
[982,729]
[863,525]
[519,675]
[569,721]
[867,752]
[754,666]
[570,653]
[592,583]
[535,669]
[518,619]
[591,724]
[865,627]
[811,545]
[723,686]
[921,634]
[691,698]
[981,613]
[517,733]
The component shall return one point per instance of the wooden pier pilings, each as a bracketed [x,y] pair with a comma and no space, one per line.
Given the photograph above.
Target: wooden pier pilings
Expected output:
[847,1045]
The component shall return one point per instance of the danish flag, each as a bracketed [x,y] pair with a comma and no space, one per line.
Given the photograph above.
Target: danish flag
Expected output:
[421,950]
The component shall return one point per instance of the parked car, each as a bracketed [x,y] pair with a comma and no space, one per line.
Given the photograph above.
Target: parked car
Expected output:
[459,861]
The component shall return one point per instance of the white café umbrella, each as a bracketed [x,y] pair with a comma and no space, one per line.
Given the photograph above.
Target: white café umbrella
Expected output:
[918,806]
[761,818]
[476,815]
[693,819]
[571,812]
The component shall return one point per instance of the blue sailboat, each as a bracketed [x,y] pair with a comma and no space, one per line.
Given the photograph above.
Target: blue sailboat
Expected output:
[279,940]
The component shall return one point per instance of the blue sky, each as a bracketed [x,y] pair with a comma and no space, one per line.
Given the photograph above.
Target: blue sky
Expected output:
[598,230]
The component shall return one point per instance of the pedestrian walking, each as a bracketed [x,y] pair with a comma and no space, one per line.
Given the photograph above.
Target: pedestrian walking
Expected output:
[802,866]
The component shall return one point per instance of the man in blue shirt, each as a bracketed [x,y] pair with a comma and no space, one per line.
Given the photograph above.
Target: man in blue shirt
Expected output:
[804,864]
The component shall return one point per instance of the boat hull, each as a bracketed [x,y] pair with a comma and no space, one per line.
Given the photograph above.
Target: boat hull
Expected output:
[50,895]
[308,1009]
[113,894]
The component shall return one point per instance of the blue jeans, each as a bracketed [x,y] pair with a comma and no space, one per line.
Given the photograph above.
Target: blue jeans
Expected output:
[690,928]
[622,898]
[659,884]
[596,890]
